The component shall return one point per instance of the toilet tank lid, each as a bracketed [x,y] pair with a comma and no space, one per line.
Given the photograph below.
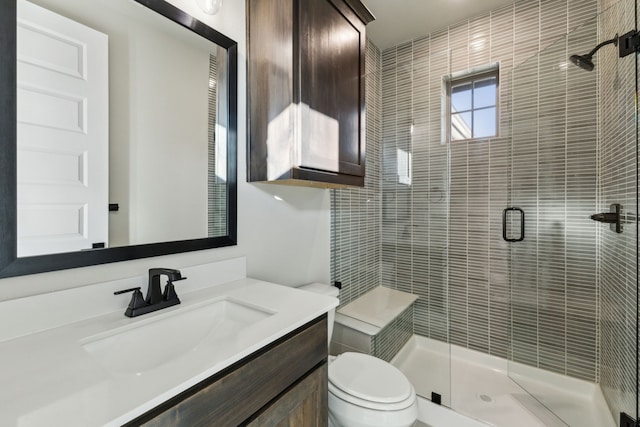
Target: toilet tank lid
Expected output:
[321,288]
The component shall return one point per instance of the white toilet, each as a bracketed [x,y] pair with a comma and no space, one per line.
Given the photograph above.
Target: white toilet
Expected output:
[365,391]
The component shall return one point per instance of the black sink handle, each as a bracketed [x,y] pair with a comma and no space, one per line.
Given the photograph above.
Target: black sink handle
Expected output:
[124,291]
[137,300]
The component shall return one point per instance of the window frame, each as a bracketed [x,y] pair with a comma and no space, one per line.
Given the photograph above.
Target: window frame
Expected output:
[466,77]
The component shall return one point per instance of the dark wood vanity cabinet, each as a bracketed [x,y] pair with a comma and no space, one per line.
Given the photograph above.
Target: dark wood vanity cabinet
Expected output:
[284,384]
[304,405]
[306,86]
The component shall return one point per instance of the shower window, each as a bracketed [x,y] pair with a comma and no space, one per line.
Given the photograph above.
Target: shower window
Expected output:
[472,105]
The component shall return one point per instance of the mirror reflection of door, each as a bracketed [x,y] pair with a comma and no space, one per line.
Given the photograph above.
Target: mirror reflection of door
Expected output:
[62,138]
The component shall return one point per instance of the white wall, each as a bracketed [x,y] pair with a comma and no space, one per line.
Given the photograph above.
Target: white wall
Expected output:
[284,241]
[168,142]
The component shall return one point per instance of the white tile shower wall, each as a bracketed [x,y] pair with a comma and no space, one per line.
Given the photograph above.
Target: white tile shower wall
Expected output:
[617,184]
[440,236]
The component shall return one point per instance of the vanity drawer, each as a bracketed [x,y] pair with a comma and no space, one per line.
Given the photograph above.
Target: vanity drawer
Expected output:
[234,395]
[302,405]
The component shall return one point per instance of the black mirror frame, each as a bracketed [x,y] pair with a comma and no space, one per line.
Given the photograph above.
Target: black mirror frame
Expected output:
[10,264]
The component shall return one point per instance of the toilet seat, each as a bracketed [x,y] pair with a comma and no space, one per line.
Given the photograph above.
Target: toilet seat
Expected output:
[370,382]
[383,407]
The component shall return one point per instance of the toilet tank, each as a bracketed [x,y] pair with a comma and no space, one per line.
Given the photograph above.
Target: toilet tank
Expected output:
[324,289]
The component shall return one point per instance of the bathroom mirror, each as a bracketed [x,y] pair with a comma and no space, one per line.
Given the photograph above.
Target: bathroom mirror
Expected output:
[118,124]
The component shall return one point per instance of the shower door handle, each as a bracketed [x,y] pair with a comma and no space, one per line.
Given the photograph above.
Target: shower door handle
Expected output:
[504,225]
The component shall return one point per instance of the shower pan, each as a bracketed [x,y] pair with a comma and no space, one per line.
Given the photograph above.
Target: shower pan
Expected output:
[573,176]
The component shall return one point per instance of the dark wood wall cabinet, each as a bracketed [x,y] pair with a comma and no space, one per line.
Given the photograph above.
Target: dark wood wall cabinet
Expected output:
[284,383]
[306,86]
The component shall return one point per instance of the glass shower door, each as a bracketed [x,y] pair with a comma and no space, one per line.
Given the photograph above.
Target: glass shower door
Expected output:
[414,226]
[573,281]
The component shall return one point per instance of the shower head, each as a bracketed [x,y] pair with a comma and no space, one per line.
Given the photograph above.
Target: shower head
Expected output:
[582,61]
[586,61]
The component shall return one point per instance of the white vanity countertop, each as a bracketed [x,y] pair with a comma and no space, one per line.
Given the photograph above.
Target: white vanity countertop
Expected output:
[49,379]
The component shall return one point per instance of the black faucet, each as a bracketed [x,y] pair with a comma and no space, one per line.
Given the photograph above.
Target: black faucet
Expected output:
[156,299]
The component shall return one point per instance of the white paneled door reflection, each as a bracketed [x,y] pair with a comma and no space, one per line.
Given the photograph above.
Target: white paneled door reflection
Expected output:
[62,140]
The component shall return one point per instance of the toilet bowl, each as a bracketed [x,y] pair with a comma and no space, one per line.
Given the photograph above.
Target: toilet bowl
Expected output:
[365,391]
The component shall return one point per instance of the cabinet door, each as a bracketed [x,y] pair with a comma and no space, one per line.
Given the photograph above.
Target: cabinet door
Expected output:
[331,85]
[303,405]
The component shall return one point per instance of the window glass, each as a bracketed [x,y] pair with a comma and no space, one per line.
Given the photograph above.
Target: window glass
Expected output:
[461,126]
[484,93]
[484,123]
[473,106]
[461,97]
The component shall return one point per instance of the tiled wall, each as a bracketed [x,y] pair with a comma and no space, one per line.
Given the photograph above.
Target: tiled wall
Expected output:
[415,215]
[617,184]
[384,345]
[216,187]
[355,221]
[553,178]
[394,336]
[414,251]
[445,228]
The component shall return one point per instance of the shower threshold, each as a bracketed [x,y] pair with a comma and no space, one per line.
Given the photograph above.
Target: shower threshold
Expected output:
[481,392]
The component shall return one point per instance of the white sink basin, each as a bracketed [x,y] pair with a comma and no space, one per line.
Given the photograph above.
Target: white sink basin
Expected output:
[146,345]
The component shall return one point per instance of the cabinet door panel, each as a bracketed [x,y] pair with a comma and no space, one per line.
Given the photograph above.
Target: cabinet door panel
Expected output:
[331,87]
[303,405]
[270,89]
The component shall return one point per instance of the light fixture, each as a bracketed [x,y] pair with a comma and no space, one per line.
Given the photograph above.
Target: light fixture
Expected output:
[210,7]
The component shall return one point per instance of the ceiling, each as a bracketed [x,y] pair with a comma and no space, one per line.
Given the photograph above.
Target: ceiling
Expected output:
[400,20]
